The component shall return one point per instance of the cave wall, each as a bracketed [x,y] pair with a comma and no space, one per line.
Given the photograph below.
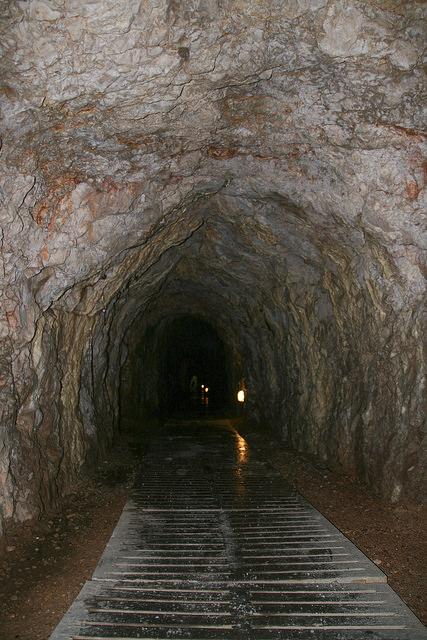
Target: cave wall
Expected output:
[263,160]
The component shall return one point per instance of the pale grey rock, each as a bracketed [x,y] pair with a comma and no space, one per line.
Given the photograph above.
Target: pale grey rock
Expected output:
[345,30]
[404,55]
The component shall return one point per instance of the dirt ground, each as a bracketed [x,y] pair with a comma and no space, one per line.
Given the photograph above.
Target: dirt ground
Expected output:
[44,564]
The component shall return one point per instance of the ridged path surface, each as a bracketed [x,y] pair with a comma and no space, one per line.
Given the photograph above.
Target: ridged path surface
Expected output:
[213,544]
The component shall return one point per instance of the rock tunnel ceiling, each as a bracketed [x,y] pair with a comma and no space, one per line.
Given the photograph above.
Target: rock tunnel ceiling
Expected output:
[256,164]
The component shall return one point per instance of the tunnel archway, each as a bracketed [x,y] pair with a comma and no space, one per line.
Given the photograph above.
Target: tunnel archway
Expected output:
[267,169]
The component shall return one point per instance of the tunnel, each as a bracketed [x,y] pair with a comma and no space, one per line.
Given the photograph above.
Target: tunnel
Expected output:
[189,371]
[192,190]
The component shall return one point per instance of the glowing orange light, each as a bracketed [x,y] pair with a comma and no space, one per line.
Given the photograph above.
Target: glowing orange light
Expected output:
[206,389]
[241,396]
[242,449]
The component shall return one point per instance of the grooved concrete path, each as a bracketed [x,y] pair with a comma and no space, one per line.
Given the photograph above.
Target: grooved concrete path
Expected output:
[213,544]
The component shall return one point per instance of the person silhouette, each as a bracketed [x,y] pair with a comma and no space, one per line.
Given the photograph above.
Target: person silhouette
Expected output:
[194,388]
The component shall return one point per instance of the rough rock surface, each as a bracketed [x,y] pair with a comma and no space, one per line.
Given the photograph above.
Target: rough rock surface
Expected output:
[257,163]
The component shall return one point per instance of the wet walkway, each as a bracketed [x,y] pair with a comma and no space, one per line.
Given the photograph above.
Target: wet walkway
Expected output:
[213,544]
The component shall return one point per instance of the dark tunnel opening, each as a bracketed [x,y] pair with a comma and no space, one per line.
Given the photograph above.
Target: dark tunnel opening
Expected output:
[193,368]
[177,365]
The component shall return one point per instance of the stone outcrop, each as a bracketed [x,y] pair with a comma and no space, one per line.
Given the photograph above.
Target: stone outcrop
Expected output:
[256,164]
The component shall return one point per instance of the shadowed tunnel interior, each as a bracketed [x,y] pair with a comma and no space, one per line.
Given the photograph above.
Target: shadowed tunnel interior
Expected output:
[194,369]
[190,371]
[188,193]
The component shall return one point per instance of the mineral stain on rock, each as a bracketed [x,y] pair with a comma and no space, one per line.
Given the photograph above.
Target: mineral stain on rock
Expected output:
[184,53]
